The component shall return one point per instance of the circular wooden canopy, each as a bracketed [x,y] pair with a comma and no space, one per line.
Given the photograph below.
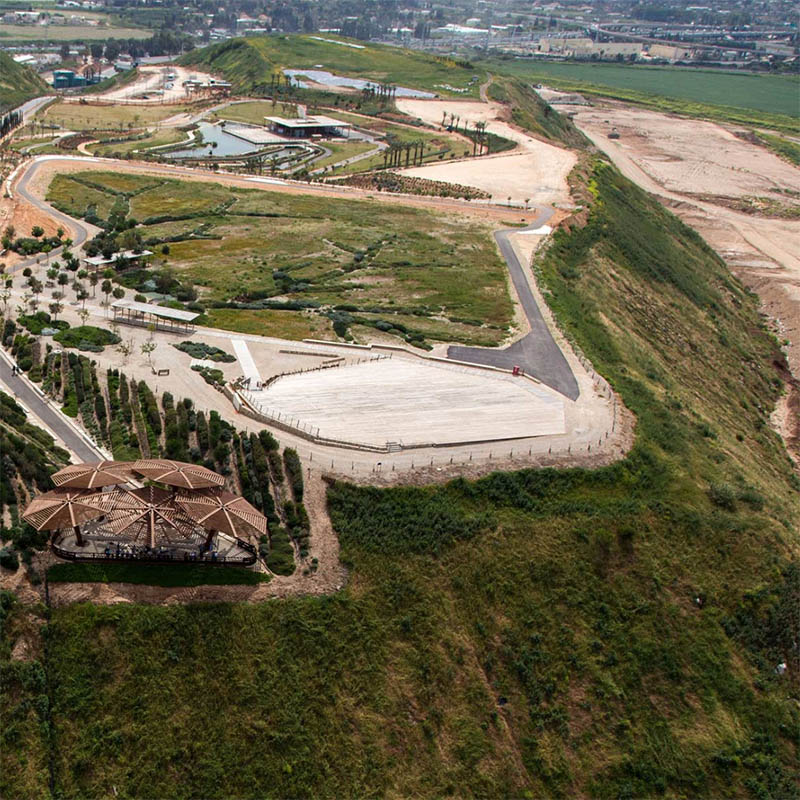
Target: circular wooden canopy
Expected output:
[61,508]
[221,511]
[177,473]
[93,474]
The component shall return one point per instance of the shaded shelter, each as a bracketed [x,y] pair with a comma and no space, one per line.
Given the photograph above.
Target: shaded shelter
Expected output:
[219,511]
[180,474]
[93,475]
[61,508]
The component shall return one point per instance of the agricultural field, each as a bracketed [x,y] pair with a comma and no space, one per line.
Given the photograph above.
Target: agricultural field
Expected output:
[248,250]
[607,632]
[769,100]
[249,63]
[69,33]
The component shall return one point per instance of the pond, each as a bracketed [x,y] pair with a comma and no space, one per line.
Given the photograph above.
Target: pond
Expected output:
[227,145]
[329,79]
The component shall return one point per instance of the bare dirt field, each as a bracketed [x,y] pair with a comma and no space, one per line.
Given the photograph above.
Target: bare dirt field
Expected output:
[535,171]
[695,167]
[692,156]
[151,81]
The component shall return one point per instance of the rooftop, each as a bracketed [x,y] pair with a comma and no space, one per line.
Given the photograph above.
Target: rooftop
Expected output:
[317,121]
[158,311]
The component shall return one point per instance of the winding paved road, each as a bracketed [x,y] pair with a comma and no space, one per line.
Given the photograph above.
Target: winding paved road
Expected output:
[537,353]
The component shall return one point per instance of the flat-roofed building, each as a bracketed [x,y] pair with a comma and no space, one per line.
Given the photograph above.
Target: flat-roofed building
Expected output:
[306,127]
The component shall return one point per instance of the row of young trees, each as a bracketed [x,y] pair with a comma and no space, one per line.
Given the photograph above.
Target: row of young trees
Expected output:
[10,121]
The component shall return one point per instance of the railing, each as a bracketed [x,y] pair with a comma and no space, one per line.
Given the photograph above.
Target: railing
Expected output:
[160,558]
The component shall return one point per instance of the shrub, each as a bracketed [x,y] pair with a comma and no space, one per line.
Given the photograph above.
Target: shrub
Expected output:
[294,469]
[205,351]
[86,337]
[723,495]
[9,559]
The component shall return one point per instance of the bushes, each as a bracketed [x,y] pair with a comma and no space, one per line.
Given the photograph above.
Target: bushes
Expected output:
[86,337]
[294,471]
[402,520]
[278,554]
[213,377]
[35,323]
[9,559]
[205,351]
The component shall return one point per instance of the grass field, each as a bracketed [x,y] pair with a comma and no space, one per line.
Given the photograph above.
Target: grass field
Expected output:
[249,63]
[69,33]
[608,633]
[323,252]
[754,99]
[80,117]
[297,325]
[121,149]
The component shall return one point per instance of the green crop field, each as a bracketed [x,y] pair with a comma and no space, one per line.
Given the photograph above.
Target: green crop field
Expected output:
[247,246]
[747,98]
[249,63]
[69,33]
[608,633]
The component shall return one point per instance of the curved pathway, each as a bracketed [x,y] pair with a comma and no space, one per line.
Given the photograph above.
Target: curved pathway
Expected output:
[536,353]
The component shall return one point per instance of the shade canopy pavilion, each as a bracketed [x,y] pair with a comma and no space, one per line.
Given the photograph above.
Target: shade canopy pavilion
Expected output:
[178,473]
[93,475]
[62,508]
[220,511]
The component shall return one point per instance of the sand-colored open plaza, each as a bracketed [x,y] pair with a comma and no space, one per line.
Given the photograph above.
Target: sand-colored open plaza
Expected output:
[412,402]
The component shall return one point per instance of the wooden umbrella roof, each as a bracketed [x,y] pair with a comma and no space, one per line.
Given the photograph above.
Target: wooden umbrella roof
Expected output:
[93,474]
[178,473]
[148,513]
[61,508]
[218,510]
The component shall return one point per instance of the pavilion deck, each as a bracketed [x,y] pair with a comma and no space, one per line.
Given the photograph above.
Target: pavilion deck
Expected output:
[100,544]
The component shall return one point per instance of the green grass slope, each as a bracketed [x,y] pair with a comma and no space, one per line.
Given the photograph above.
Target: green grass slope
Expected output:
[530,112]
[17,83]
[249,63]
[609,632]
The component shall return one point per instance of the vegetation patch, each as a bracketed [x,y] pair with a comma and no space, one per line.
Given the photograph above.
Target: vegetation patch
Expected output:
[205,351]
[87,337]
[155,574]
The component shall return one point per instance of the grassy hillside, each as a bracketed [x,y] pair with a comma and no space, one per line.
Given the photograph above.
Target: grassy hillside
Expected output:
[530,112]
[609,632]
[250,63]
[17,83]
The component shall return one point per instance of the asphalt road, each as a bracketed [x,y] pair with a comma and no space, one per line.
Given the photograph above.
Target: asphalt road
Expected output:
[52,418]
[81,232]
[537,352]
